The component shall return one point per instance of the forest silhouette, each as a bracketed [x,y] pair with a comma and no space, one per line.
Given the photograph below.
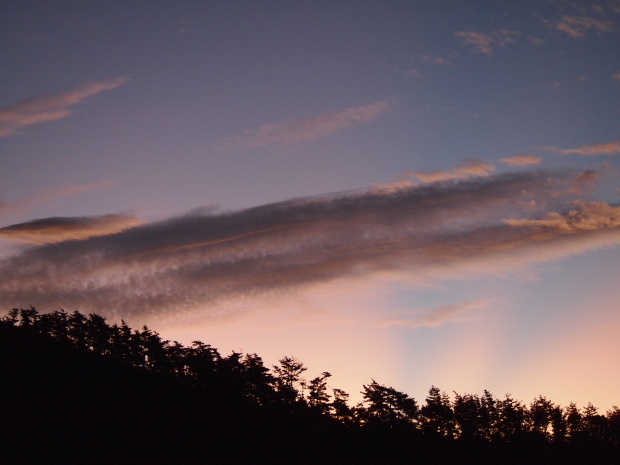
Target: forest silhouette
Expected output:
[75,389]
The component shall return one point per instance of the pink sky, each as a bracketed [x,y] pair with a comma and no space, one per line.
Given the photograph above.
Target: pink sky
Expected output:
[419,194]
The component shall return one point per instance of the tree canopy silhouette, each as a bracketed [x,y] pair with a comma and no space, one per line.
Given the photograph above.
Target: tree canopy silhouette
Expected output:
[78,389]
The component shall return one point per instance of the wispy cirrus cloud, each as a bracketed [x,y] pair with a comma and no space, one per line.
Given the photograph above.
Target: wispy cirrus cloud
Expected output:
[579,26]
[50,107]
[604,148]
[60,229]
[292,132]
[436,60]
[613,6]
[203,263]
[486,43]
[409,178]
[47,196]
[469,168]
[521,160]
[435,317]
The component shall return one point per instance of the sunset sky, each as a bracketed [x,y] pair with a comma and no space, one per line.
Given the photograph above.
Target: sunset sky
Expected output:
[417,192]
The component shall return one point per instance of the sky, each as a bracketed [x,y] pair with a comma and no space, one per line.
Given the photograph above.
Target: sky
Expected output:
[417,192]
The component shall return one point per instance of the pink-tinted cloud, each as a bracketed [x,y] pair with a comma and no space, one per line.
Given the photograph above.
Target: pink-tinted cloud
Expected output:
[404,182]
[604,148]
[437,60]
[587,216]
[292,132]
[46,197]
[535,40]
[486,43]
[60,229]
[468,168]
[579,26]
[434,317]
[50,107]
[613,6]
[206,262]
[521,160]
[585,182]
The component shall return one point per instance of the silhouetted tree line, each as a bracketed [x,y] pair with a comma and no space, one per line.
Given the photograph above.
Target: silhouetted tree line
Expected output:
[79,389]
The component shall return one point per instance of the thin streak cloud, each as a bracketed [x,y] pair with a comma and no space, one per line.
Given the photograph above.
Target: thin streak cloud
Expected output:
[466,169]
[486,43]
[579,26]
[436,60]
[521,160]
[435,317]
[45,197]
[50,107]
[292,132]
[60,229]
[604,148]
[201,263]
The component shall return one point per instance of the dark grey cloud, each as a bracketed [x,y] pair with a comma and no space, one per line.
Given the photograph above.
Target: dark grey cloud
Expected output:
[199,261]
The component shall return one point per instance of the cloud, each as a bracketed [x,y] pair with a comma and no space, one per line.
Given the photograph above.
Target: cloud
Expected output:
[436,60]
[605,148]
[60,229]
[47,196]
[50,107]
[205,264]
[486,43]
[292,132]
[404,182]
[468,168]
[521,160]
[434,317]
[586,181]
[535,40]
[588,216]
[614,6]
[579,26]
[413,72]
[616,77]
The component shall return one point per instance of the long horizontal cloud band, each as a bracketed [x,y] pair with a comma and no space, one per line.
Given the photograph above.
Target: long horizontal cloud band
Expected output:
[197,262]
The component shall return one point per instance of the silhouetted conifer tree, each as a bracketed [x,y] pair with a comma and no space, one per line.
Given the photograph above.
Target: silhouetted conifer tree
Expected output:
[78,377]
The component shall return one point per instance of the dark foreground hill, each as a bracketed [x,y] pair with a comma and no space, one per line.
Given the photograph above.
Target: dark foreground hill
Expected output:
[74,389]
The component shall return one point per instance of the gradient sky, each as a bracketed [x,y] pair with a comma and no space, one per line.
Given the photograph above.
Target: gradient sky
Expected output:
[419,192]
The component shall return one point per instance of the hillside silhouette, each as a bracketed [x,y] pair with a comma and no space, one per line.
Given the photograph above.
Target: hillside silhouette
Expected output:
[76,389]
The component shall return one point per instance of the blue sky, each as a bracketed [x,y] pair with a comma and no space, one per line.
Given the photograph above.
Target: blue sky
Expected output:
[417,192]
